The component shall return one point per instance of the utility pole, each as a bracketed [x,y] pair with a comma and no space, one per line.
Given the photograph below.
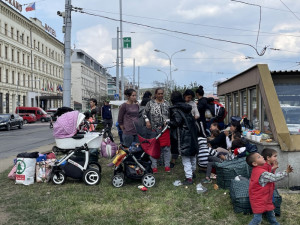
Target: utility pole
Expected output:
[121,37]
[117,66]
[133,79]
[138,91]
[67,63]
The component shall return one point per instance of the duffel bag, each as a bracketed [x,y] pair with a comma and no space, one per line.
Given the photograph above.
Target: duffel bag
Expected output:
[239,194]
[228,170]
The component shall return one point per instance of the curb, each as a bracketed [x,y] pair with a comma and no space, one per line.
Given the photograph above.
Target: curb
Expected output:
[8,162]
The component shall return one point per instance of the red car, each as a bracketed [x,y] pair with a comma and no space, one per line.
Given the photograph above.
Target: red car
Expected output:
[28,117]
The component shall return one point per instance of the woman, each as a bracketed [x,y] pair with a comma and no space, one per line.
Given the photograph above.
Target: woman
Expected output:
[188,96]
[202,107]
[128,114]
[156,116]
[184,132]
[234,131]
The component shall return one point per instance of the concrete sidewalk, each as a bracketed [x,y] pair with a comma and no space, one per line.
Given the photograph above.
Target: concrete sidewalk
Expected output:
[9,162]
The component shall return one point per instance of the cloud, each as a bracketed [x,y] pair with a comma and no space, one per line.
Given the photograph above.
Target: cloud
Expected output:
[97,42]
[192,9]
[199,56]
[145,56]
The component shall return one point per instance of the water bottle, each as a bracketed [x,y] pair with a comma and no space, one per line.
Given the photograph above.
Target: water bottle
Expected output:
[200,188]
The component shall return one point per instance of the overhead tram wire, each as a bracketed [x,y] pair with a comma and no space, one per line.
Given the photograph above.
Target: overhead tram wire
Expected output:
[290,10]
[174,31]
[195,24]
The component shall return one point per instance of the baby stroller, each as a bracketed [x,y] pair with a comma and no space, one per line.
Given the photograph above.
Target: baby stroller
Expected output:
[135,165]
[71,143]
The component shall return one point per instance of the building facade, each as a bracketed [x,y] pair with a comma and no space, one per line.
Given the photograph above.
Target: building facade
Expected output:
[89,80]
[31,63]
[271,101]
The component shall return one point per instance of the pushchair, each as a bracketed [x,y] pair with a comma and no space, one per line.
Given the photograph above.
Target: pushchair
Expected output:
[136,163]
[73,143]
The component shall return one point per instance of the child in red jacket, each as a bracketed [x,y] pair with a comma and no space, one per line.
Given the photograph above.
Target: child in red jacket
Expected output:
[261,188]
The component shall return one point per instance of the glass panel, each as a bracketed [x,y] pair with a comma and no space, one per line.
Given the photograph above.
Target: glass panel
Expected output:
[244,103]
[236,104]
[229,106]
[289,99]
[253,108]
[265,125]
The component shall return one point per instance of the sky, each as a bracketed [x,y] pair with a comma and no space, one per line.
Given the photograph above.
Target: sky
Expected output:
[197,26]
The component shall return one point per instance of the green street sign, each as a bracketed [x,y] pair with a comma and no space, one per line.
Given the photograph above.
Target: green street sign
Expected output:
[126,42]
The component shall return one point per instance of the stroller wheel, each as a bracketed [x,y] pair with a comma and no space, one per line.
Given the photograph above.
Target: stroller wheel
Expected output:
[148,180]
[59,178]
[95,166]
[118,180]
[91,176]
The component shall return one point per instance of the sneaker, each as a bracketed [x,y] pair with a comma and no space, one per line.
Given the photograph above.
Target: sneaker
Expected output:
[167,169]
[188,181]
[205,181]
[154,170]
[194,175]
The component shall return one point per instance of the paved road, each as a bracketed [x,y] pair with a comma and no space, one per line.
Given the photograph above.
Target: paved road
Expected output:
[32,136]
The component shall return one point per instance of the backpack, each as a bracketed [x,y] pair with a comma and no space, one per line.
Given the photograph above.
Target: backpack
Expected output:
[220,111]
[108,148]
[249,148]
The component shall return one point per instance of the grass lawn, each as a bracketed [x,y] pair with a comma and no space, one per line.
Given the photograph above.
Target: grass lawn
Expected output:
[76,203]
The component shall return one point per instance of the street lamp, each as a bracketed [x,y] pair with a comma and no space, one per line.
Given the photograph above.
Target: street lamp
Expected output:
[170,62]
[166,77]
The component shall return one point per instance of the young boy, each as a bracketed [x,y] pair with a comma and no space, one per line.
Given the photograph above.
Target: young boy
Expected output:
[270,156]
[261,188]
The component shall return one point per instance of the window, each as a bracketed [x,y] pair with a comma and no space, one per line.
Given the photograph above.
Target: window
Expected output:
[6,52]
[28,60]
[12,32]
[24,79]
[18,35]
[18,57]
[229,106]
[12,55]
[5,29]
[289,99]
[24,100]
[18,82]
[39,64]
[34,44]
[13,77]
[236,111]
[253,109]
[27,41]
[35,79]
[34,63]
[38,46]
[42,48]
[7,103]
[6,76]
[28,80]
[46,50]
[22,38]
[23,59]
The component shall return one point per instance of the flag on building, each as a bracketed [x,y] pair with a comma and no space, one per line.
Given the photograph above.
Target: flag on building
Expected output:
[30,7]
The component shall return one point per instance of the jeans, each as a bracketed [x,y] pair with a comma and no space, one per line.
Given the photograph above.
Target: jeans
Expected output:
[189,165]
[129,139]
[166,153]
[258,218]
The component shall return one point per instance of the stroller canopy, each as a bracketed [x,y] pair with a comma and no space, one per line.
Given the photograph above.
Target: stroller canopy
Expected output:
[67,124]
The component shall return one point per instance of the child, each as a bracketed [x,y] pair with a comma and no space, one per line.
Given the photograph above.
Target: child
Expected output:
[270,156]
[261,188]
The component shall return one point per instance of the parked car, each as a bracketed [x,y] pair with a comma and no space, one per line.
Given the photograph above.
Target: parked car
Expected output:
[37,111]
[28,117]
[52,112]
[11,120]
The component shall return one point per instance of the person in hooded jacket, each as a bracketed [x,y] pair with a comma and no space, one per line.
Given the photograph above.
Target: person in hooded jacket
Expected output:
[184,135]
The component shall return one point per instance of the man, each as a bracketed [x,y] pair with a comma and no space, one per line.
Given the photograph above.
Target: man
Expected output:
[106,116]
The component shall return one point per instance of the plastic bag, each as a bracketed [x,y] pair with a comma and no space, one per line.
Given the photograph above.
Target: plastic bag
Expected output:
[25,170]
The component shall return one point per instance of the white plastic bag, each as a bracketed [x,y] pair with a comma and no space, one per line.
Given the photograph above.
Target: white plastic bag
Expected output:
[25,170]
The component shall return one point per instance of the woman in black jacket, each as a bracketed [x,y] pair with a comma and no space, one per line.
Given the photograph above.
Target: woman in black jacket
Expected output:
[183,134]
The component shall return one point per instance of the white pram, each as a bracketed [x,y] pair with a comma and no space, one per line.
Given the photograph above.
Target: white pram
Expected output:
[76,146]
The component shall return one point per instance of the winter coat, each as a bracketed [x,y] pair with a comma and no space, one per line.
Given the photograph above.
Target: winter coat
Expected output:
[260,197]
[183,129]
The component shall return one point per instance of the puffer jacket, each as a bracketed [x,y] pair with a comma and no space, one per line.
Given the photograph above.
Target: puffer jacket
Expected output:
[183,130]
